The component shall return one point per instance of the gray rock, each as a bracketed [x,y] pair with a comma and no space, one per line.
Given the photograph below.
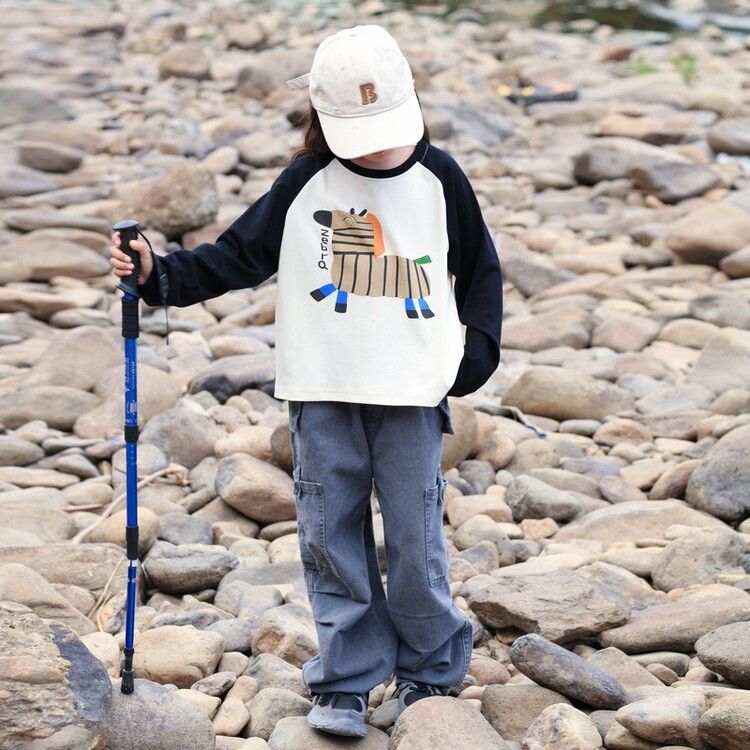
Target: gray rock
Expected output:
[255,488]
[29,105]
[293,733]
[674,182]
[57,405]
[532,498]
[183,434]
[731,136]
[156,718]
[512,708]
[184,198]
[185,568]
[552,666]
[720,485]
[181,528]
[698,610]
[17,452]
[562,727]
[230,376]
[698,558]
[727,723]
[443,722]
[269,670]
[726,650]
[560,393]
[269,706]
[562,606]
[57,693]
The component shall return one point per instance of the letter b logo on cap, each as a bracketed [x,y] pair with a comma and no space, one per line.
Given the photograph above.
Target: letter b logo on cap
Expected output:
[367,91]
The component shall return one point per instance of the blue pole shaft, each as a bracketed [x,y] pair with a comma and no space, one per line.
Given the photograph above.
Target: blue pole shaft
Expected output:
[131,478]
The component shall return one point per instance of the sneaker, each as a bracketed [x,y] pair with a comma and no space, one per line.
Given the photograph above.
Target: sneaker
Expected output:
[339,713]
[410,691]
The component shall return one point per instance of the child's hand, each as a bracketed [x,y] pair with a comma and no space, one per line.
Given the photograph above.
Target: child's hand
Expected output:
[121,262]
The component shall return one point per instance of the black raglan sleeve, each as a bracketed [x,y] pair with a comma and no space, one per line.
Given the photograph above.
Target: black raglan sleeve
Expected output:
[474,262]
[244,255]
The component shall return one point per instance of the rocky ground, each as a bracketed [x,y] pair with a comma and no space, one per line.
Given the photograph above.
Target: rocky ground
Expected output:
[604,558]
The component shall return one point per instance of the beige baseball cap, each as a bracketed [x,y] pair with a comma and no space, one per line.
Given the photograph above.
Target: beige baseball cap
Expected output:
[362,88]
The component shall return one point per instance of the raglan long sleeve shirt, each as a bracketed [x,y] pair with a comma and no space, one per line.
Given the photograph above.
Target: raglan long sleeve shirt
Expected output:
[378,272]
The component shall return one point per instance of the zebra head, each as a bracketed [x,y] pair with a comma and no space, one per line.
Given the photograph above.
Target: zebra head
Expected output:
[362,228]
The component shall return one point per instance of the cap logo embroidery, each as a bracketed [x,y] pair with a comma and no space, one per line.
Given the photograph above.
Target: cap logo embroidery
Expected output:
[367,91]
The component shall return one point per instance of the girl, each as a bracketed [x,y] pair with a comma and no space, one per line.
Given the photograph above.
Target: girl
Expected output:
[366,227]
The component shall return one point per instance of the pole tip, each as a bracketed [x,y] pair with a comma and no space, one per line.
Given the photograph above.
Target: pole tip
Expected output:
[125,224]
[127,685]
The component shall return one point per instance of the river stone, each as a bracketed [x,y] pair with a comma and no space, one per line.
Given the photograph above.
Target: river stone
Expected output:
[287,631]
[726,724]
[698,610]
[23,585]
[269,706]
[674,182]
[720,484]
[47,524]
[182,199]
[77,359]
[554,667]
[157,392]
[562,605]
[229,376]
[709,233]
[632,588]
[532,498]
[294,733]
[731,136]
[48,157]
[698,557]
[671,719]
[60,258]
[22,104]
[269,670]
[634,520]
[183,434]
[533,333]
[255,488]
[186,568]
[55,693]
[179,654]
[512,708]
[562,727]
[185,60]
[628,672]
[726,650]
[611,158]
[90,566]
[155,717]
[566,394]
[59,406]
[17,452]
[441,721]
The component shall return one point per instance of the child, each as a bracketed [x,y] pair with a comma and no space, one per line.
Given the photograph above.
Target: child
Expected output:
[365,228]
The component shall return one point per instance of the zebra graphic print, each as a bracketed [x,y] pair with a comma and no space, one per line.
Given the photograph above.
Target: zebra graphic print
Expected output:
[360,265]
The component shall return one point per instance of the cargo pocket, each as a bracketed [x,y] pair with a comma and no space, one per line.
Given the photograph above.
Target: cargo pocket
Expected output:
[320,571]
[445,411]
[435,547]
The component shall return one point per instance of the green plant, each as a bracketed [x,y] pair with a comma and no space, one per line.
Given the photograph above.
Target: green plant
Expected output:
[687,67]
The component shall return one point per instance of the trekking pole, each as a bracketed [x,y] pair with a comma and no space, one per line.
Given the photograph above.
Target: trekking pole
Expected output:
[128,229]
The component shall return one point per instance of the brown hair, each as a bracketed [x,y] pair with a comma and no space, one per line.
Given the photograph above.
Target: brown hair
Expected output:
[313,140]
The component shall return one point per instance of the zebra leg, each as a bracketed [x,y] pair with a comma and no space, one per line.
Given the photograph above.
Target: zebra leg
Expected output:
[425,308]
[322,292]
[411,311]
[341,302]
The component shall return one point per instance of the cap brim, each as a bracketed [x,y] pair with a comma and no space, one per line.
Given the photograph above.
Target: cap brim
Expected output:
[351,137]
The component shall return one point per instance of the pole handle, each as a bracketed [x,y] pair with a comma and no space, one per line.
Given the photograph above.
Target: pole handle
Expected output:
[128,229]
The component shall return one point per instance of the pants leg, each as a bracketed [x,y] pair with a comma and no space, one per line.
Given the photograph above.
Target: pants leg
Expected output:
[435,636]
[333,483]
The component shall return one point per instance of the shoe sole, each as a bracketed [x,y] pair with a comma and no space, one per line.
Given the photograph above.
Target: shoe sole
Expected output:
[344,726]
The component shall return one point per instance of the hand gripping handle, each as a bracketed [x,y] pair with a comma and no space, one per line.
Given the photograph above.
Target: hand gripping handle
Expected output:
[128,229]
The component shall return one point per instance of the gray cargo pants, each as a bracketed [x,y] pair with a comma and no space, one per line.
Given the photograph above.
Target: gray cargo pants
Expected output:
[338,449]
